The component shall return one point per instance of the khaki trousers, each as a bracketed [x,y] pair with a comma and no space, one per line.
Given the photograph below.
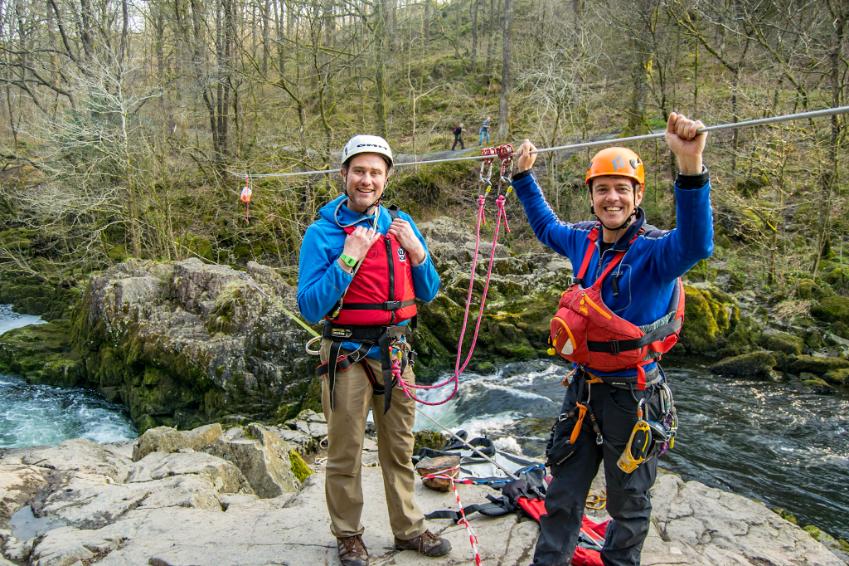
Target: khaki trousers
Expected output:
[346,425]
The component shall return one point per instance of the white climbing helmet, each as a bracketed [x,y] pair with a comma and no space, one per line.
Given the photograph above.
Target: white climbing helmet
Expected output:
[363,143]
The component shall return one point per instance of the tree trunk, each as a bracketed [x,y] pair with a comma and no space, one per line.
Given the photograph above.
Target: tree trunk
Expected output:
[380,66]
[503,107]
[474,47]
[828,179]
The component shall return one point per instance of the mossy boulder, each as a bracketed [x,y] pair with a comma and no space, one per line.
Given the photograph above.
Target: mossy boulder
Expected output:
[35,296]
[837,276]
[838,376]
[833,309]
[817,365]
[782,342]
[809,289]
[755,365]
[817,384]
[42,353]
[185,344]
[713,325]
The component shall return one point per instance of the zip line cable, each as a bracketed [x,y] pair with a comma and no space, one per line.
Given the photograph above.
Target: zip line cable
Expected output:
[653,135]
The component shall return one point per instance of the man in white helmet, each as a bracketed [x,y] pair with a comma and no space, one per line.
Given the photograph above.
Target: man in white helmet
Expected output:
[362,266]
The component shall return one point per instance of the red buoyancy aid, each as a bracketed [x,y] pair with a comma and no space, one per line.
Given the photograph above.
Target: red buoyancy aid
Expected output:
[381,292]
[585,331]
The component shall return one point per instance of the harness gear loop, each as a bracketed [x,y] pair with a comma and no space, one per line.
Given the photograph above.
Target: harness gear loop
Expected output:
[245,197]
[311,342]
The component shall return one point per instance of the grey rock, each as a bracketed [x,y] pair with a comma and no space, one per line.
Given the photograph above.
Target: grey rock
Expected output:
[167,439]
[186,508]
[225,477]
[19,484]
[263,459]
[80,455]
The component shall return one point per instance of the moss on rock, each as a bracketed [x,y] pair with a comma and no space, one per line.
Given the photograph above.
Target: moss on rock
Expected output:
[838,376]
[818,365]
[782,342]
[428,439]
[834,308]
[42,353]
[757,365]
[713,325]
[299,467]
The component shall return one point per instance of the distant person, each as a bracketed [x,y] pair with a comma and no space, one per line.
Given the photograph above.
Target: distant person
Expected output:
[367,308]
[625,311]
[458,137]
[484,131]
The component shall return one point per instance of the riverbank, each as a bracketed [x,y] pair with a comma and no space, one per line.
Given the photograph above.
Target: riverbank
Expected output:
[240,496]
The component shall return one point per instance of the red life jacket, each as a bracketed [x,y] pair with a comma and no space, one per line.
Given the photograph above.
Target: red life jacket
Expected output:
[585,331]
[382,291]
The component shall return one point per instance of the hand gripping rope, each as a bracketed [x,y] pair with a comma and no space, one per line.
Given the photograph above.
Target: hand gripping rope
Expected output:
[505,154]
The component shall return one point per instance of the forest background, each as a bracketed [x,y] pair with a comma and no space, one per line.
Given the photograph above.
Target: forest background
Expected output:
[125,126]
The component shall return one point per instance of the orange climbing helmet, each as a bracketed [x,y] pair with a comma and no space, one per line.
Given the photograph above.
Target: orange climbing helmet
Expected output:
[619,161]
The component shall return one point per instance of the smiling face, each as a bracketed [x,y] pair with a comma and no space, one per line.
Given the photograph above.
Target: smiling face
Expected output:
[365,178]
[614,200]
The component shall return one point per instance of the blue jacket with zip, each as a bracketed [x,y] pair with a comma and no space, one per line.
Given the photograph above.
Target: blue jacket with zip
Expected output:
[321,280]
[640,287]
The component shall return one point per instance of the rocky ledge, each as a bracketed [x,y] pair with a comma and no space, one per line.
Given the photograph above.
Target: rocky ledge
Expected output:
[243,496]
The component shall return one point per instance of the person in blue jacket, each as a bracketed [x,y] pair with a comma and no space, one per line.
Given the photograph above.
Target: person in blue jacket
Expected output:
[343,256]
[640,267]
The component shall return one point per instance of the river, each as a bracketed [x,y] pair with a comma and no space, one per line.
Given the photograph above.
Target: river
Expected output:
[35,415]
[776,443]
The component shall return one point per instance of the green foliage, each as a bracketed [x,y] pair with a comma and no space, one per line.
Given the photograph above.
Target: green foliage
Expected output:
[750,186]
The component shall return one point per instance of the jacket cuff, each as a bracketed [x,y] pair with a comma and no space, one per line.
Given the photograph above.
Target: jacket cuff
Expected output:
[521,175]
[693,181]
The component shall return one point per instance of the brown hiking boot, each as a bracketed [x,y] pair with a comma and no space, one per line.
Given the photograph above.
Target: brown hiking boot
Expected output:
[352,551]
[426,543]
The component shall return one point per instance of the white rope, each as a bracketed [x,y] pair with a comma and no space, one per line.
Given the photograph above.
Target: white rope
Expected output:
[652,135]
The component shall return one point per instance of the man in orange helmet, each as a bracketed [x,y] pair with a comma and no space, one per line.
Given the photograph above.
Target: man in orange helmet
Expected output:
[624,311]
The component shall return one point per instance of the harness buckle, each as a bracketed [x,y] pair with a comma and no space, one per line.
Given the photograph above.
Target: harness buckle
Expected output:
[614,346]
[392,305]
[340,332]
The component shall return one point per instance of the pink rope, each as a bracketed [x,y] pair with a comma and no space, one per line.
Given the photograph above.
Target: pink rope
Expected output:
[505,153]
[459,368]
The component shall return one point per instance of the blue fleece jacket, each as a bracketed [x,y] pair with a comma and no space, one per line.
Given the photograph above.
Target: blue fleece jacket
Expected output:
[322,281]
[640,288]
